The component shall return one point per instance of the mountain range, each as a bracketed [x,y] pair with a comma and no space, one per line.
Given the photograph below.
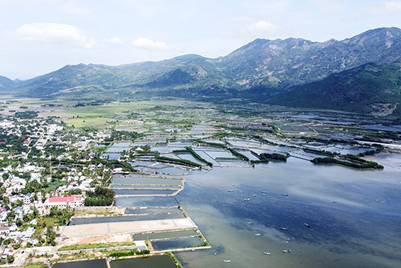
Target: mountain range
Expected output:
[358,74]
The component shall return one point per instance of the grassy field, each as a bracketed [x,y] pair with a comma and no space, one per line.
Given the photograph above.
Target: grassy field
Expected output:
[139,116]
[96,245]
[94,122]
[99,211]
[36,265]
[101,116]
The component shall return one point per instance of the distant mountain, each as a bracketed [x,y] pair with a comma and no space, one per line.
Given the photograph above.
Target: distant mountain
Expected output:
[6,83]
[282,63]
[369,88]
[185,71]
[269,66]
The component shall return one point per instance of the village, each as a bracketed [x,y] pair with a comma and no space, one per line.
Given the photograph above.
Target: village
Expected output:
[44,175]
[67,194]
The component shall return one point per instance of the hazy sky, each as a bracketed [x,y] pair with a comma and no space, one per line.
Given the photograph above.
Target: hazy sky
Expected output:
[38,36]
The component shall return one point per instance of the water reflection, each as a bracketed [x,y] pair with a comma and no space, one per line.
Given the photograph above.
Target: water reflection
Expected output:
[304,215]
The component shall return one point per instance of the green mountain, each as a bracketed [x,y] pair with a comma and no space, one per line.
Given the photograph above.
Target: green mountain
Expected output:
[369,88]
[283,63]
[180,72]
[275,70]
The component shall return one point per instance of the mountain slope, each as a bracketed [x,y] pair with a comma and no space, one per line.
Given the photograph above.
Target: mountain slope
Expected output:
[355,74]
[199,71]
[369,88]
[283,63]
[6,83]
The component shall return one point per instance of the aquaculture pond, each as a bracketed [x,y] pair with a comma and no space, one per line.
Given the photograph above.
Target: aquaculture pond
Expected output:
[150,262]
[165,235]
[161,215]
[296,214]
[177,243]
[174,212]
[82,264]
[146,202]
[127,181]
[129,192]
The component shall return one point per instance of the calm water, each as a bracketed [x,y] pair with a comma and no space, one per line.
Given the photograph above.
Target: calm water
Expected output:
[152,262]
[177,243]
[146,202]
[324,216]
[147,262]
[82,264]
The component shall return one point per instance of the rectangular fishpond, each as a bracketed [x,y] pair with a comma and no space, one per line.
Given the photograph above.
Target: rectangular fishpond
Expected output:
[177,243]
[146,202]
[144,191]
[165,235]
[148,262]
[83,264]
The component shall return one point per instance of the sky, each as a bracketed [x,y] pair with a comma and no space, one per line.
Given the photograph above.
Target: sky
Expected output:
[40,36]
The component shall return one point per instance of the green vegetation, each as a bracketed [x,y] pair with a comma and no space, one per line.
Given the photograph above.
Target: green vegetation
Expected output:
[183,162]
[238,154]
[367,88]
[26,114]
[36,265]
[198,157]
[59,216]
[212,144]
[175,260]
[96,245]
[274,157]
[348,161]
[125,253]
[100,197]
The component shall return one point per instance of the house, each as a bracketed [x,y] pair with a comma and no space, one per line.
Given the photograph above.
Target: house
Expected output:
[4,229]
[141,245]
[63,202]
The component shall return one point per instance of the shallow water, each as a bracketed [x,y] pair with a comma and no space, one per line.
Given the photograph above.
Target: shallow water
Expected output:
[146,202]
[141,181]
[177,243]
[82,264]
[144,191]
[161,215]
[325,216]
[151,262]
[164,235]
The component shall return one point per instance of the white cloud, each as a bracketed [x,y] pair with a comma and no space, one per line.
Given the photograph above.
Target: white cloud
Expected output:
[387,7]
[55,33]
[148,44]
[116,41]
[262,27]
[392,6]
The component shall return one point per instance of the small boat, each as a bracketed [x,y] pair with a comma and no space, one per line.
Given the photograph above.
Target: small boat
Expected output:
[227,261]
[247,199]
[286,251]
[307,225]
[258,234]
[267,253]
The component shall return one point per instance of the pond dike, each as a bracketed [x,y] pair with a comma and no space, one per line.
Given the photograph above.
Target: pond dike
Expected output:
[149,215]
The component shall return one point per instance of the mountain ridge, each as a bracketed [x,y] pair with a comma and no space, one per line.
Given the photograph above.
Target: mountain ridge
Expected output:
[269,65]
[369,88]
